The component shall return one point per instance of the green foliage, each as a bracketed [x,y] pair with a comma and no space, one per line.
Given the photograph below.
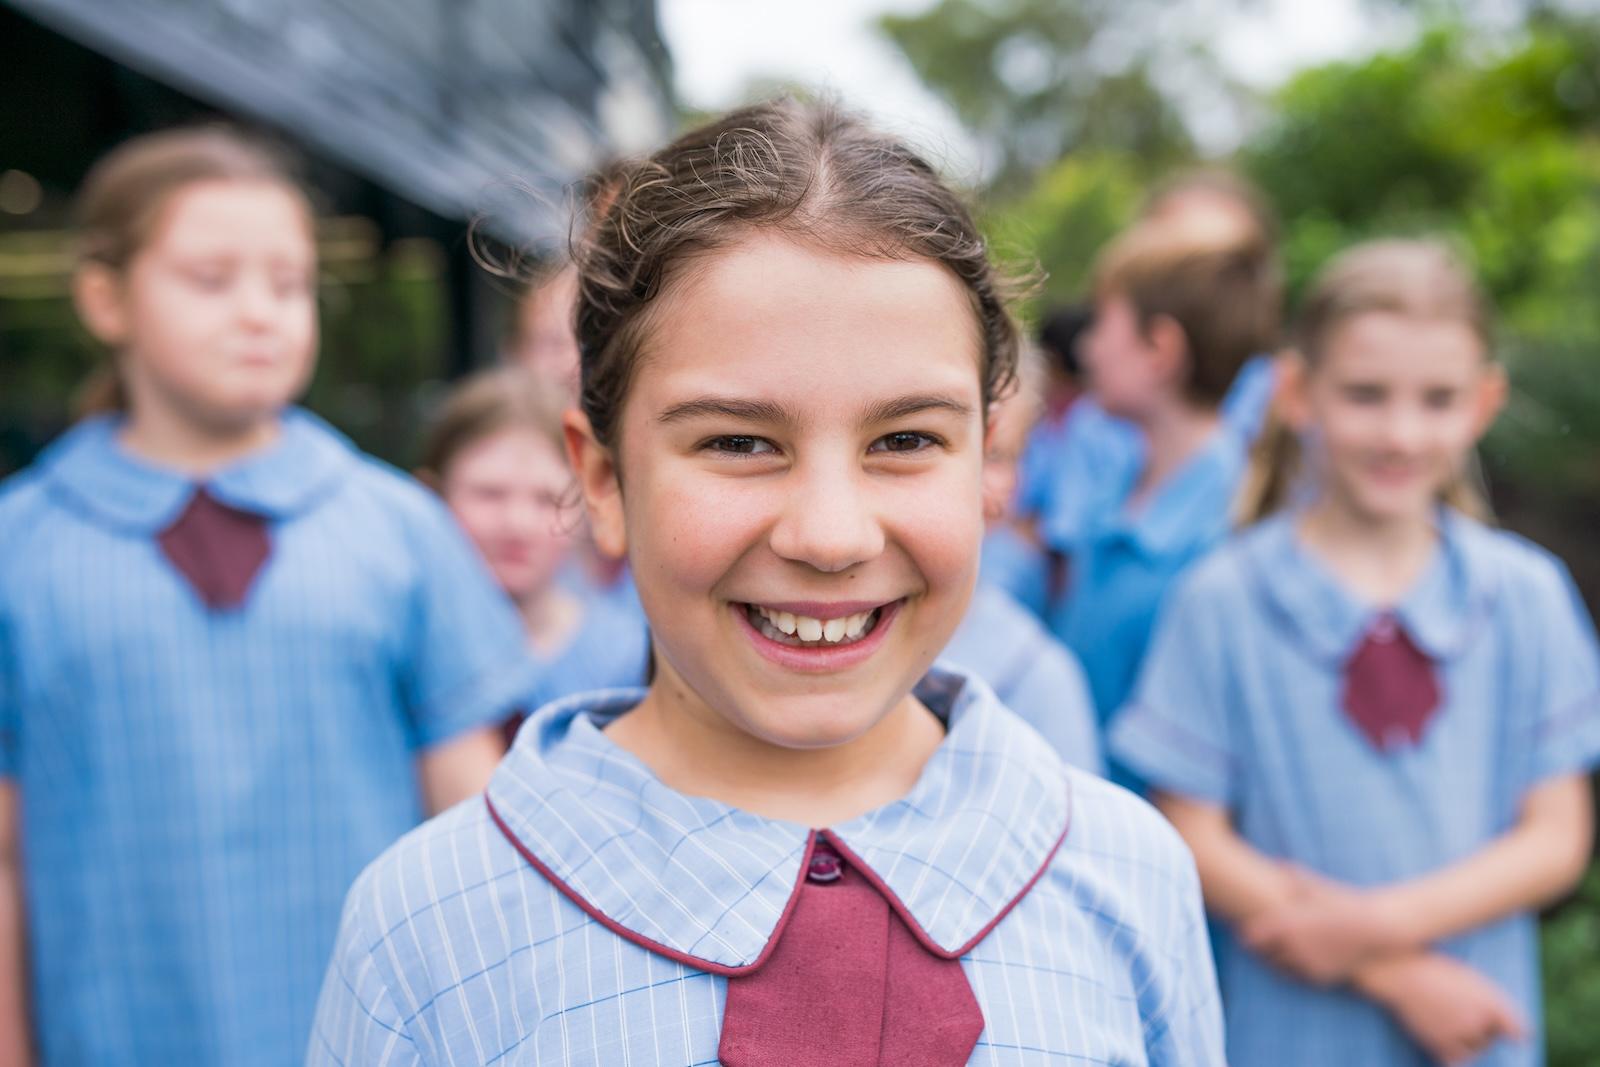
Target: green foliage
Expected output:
[1035,79]
[1571,949]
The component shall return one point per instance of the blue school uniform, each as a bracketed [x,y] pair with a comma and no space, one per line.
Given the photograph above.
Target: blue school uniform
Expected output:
[1031,673]
[1011,562]
[610,650]
[455,949]
[1123,562]
[1240,706]
[1074,470]
[200,787]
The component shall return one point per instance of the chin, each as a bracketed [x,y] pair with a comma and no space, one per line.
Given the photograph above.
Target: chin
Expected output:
[816,722]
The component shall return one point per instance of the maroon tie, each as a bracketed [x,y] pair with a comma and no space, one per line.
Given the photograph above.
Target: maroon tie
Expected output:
[1390,690]
[217,547]
[849,985]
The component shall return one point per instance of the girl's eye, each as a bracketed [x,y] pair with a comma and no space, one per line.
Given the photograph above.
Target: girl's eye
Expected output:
[209,280]
[740,445]
[1364,394]
[1439,399]
[903,441]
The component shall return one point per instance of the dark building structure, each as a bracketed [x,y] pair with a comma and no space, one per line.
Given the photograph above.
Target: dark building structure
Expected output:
[418,115]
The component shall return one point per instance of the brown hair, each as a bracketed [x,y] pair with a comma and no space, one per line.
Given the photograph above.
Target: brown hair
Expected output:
[809,171]
[121,202]
[1417,278]
[1216,183]
[484,404]
[1222,287]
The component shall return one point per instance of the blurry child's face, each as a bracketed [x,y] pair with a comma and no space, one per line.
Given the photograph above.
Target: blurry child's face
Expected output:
[1395,403]
[545,341]
[215,317]
[800,458]
[1124,367]
[1010,422]
[506,489]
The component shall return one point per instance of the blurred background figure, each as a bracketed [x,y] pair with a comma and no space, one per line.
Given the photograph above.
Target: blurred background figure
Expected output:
[999,639]
[237,656]
[542,339]
[495,454]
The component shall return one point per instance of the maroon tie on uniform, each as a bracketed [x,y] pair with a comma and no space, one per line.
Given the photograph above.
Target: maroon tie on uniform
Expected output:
[217,548]
[849,985]
[1390,689]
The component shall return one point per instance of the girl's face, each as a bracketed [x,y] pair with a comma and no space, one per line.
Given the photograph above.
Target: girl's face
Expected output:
[506,489]
[800,500]
[1395,404]
[215,317]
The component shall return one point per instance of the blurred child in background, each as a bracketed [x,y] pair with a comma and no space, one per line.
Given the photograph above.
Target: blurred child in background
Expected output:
[495,454]
[541,339]
[1371,715]
[1085,453]
[999,639]
[237,656]
[1178,310]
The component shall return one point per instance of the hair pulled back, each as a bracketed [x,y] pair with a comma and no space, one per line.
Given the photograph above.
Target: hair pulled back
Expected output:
[808,171]
[1416,277]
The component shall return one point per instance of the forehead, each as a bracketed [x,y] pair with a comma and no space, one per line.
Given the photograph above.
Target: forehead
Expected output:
[1399,346]
[232,216]
[515,452]
[772,315]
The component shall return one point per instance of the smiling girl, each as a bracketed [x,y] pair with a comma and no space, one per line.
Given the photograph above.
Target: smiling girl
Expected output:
[1371,715]
[797,845]
[237,657]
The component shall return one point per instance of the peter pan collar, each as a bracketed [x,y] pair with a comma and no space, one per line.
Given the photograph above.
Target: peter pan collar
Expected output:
[710,885]
[1190,508]
[1441,612]
[91,469]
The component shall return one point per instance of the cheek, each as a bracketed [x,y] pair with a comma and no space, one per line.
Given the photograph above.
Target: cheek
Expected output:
[688,527]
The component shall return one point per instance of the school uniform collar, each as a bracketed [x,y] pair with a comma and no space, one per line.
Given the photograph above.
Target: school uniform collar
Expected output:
[92,470]
[1440,613]
[1191,507]
[710,885]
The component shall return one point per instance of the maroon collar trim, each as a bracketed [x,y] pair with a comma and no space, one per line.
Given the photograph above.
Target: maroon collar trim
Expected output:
[711,967]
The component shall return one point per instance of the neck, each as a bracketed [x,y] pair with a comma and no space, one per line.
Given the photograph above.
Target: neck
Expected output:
[191,446]
[1172,433]
[695,751]
[1378,558]
[550,616]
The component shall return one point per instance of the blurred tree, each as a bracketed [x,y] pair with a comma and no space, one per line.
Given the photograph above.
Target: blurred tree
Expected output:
[1036,79]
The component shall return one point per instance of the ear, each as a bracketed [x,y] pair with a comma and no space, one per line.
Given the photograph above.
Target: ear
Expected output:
[596,471]
[1493,391]
[1290,399]
[97,293]
[1169,344]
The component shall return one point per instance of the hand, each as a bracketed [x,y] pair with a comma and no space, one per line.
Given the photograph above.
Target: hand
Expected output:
[1326,931]
[1450,1010]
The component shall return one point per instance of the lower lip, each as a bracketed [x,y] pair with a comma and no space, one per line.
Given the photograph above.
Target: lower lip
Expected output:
[824,658]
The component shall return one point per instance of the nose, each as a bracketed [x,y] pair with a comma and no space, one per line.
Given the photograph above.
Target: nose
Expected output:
[255,301]
[828,521]
[1403,427]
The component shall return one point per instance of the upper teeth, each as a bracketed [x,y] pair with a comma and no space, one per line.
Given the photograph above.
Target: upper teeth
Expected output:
[811,629]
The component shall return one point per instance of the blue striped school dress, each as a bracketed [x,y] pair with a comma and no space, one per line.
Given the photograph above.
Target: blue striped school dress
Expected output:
[1240,706]
[513,929]
[200,787]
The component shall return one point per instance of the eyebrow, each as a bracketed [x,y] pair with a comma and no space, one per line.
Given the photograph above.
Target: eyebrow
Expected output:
[767,411]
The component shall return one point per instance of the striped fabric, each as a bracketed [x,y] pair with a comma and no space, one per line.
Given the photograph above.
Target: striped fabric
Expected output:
[1031,672]
[199,788]
[1239,706]
[455,949]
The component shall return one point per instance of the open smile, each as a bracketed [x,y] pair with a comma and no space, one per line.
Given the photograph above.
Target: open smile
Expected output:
[817,636]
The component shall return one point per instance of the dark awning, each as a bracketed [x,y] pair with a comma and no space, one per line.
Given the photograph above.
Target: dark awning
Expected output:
[462,106]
